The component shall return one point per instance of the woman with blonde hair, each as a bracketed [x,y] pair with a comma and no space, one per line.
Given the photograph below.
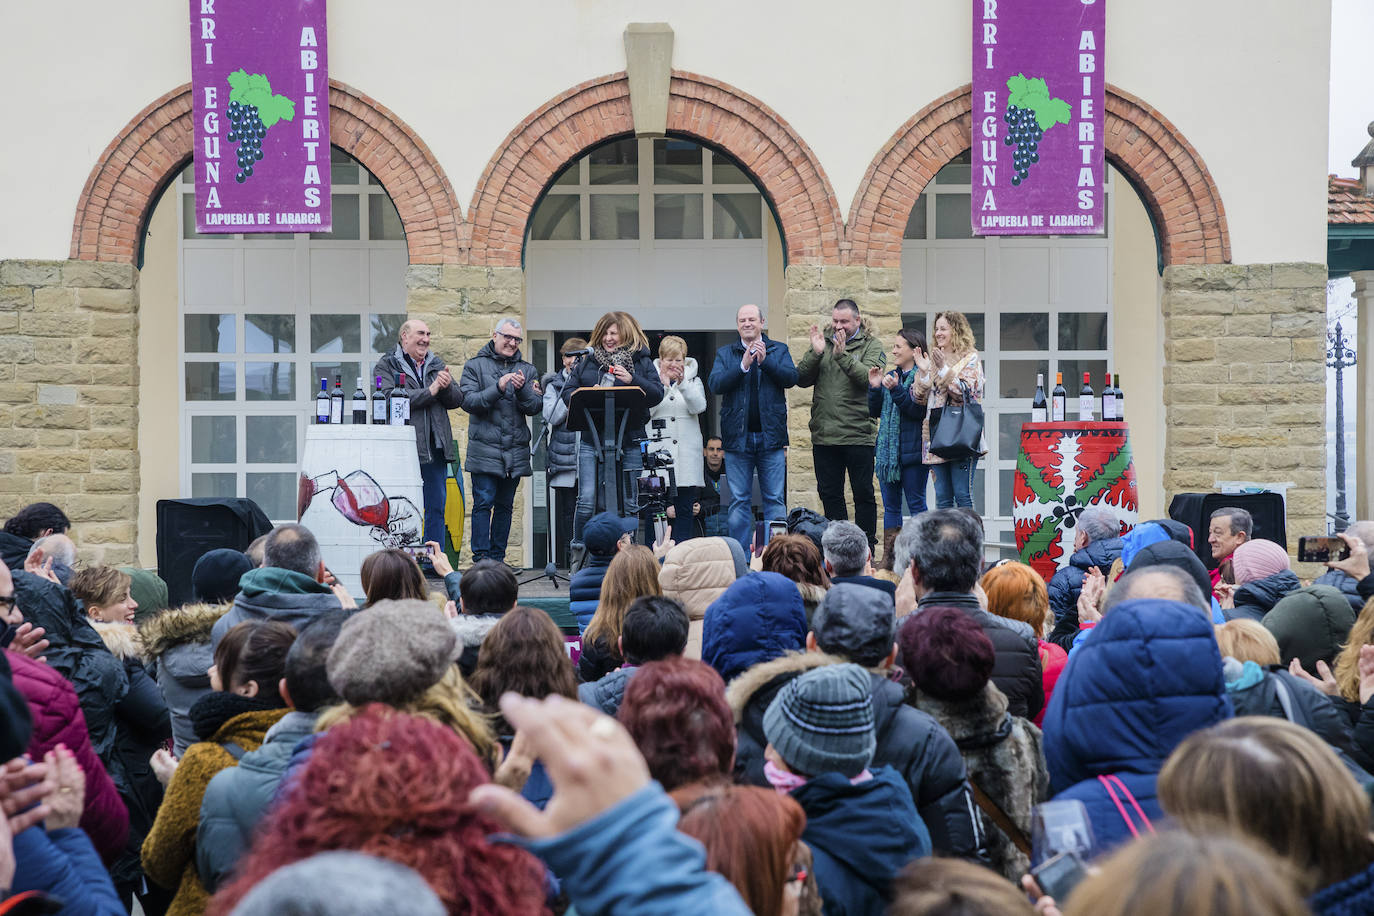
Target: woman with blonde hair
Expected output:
[1267,780]
[1017,592]
[951,373]
[620,357]
[684,399]
[632,574]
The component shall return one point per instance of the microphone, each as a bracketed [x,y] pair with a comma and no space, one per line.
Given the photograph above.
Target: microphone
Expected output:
[551,572]
[587,351]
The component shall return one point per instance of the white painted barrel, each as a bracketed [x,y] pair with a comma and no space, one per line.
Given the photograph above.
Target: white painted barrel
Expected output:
[360,492]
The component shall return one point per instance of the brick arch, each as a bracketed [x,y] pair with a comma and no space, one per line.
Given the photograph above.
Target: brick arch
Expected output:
[130,174]
[703,109]
[1150,151]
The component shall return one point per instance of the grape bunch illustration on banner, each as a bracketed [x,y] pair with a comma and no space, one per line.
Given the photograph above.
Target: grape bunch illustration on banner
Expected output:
[253,109]
[1030,112]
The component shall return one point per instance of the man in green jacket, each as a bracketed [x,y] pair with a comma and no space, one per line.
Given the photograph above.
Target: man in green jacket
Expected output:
[842,433]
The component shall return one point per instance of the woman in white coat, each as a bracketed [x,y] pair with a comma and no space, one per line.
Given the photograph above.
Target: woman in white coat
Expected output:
[684,399]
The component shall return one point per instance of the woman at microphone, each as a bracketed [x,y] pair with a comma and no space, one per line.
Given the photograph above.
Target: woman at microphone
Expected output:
[620,357]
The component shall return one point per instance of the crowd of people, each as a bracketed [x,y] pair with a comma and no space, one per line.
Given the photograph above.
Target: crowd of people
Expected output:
[799,733]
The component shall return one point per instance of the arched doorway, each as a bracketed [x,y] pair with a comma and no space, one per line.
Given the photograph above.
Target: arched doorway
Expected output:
[668,229]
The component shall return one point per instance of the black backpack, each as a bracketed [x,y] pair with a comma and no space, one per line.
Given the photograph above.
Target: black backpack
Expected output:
[807,522]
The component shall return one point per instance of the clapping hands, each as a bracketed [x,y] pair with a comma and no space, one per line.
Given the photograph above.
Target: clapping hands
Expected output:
[817,340]
[1094,584]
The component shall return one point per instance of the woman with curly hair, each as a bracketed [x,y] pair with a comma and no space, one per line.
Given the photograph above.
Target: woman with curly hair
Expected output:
[620,357]
[396,786]
[633,573]
[951,373]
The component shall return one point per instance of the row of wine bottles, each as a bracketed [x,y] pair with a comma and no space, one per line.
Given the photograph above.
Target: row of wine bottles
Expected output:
[393,409]
[1113,403]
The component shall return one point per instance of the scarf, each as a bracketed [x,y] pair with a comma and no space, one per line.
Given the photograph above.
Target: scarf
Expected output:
[887,458]
[620,356]
[214,709]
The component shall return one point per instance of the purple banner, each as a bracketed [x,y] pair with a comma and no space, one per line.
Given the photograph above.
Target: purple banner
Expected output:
[260,79]
[1037,117]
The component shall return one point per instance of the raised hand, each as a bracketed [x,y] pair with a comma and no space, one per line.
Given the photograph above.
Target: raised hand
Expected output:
[760,351]
[1094,584]
[875,377]
[922,359]
[621,373]
[890,381]
[591,759]
[23,788]
[28,640]
[839,338]
[164,765]
[36,564]
[1357,564]
[817,340]
[68,797]
[1366,673]
[1326,683]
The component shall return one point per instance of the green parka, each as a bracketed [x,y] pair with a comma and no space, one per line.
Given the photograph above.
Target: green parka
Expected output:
[839,405]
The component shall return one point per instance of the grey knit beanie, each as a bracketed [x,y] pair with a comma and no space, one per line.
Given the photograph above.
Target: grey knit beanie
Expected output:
[822,721]
[392,653]
[341,883]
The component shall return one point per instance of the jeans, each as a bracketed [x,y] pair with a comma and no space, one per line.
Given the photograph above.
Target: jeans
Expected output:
[590,499]
[492,498]
[434,487]
[832,463]
[953,483]
[740,466]
[912,485]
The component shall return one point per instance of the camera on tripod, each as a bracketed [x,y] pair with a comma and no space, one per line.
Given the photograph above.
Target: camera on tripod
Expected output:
[657,481]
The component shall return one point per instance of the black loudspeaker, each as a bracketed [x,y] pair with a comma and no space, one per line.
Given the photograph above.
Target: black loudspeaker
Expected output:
[1195,510]
[187,529]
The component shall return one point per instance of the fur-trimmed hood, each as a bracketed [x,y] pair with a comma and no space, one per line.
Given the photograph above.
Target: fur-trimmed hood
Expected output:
[122,639]
[744,688]
[972,723]
[190,623]
[472,629]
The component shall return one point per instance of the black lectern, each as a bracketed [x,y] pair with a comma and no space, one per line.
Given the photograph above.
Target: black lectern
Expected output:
[609,405]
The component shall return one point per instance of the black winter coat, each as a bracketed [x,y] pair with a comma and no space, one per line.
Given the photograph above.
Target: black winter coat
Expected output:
[1016,671]
[1311,709]
[499,434]
[1255,599]
[1067,584]
[586,373]
[909,741]
[77,653]
[428,412]
[728,381]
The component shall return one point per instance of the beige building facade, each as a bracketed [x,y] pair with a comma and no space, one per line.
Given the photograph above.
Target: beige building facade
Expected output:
[465,118]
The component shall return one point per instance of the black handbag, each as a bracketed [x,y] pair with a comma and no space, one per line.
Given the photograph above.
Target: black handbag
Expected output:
[959,431]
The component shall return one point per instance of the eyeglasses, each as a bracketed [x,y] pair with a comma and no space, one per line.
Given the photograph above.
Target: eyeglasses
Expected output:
[511,337]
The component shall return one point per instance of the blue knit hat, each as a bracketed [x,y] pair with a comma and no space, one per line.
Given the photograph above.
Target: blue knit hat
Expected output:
[822,721]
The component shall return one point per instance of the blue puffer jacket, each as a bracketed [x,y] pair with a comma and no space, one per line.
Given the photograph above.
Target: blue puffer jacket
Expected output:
[1149,677]
[911,414]
[728,381]
[584,591]
[1067,584]
[1349,586]
[860,836]
[757,619]
[1352,897]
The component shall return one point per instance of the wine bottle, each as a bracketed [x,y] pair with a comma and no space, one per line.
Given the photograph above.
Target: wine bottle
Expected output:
[398,404]
[1120,401]
[1108,401]
[1086,396]
[378,404]
[336,401]
[1057,397]
[322,402]
[359,404]
[1039,408]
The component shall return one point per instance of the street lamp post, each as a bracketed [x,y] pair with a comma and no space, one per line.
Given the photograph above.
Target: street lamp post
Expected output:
[1340,357]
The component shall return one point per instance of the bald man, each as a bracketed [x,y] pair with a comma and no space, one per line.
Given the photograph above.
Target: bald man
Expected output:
[432,393]
[751,376]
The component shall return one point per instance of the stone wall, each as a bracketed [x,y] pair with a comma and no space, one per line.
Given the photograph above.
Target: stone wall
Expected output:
[811,294]
[69,398]
[461,305]
[1245,382]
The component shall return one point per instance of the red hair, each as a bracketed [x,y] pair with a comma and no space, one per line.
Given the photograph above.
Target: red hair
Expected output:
[675,710]
[395,786]
[750,834]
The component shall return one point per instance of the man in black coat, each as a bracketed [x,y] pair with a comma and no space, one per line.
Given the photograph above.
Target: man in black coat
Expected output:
[499,390]
[944,551]
[422,375]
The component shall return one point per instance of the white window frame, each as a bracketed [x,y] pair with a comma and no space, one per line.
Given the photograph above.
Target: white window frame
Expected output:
[995,465]
[368,190]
